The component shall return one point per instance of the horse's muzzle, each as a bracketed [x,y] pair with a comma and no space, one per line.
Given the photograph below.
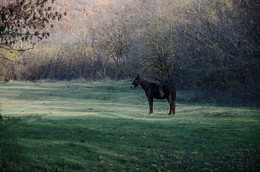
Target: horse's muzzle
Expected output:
[132,86]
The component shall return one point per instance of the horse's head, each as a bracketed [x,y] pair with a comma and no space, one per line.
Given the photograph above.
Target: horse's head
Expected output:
[136,82]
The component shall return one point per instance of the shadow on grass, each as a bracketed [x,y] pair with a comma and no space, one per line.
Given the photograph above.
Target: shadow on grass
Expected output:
[37,143]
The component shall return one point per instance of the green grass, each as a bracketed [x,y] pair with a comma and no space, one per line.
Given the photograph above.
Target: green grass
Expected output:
[105,126]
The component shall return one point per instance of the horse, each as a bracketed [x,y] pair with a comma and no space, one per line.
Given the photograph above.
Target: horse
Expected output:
[153,90]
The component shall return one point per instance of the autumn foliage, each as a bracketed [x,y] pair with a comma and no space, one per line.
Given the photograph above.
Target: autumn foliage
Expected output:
[24,20]
[200,45]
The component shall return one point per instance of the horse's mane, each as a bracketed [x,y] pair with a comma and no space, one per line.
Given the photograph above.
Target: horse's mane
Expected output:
[145,83]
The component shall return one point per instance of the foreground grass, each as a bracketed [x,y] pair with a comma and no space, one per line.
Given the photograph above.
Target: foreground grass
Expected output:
[99,126]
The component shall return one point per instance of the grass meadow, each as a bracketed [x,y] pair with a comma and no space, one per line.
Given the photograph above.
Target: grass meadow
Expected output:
[105,126]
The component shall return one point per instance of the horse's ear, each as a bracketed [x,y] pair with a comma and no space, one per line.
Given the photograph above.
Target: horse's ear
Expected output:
[138,76]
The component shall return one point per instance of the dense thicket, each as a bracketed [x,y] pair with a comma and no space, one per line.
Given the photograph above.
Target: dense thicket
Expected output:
[197,44]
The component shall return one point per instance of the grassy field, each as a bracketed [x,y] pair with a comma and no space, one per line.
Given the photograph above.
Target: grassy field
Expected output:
[105,126]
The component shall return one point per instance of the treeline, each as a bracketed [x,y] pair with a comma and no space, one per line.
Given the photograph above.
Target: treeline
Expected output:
[199,44]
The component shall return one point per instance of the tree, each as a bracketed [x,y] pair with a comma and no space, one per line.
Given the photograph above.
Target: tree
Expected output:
[225,38]
[112,44]
[25,21]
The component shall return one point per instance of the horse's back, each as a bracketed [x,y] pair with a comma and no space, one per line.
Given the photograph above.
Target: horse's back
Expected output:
[169,87]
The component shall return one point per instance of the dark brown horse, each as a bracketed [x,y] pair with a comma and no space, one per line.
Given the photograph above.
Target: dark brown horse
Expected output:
[153,90]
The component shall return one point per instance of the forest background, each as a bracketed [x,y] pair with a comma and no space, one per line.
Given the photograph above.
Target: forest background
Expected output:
[210,47]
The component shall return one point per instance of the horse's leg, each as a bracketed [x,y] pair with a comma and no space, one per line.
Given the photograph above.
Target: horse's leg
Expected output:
[169,99]
[150,104]
[174,101]
[173,107]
